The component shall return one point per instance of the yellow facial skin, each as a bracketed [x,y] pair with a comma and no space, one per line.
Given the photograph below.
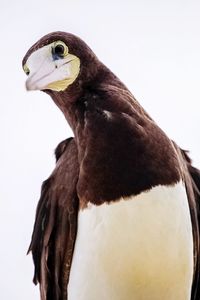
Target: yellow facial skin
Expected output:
[61,85]
[26,69]
[51,67]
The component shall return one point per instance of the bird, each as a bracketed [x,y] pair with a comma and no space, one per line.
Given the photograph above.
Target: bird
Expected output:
[118,218]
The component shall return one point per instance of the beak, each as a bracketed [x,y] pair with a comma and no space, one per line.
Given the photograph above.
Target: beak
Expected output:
[40,78]
[47,73]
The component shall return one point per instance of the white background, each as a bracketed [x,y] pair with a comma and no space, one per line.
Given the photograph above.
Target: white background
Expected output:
[153,46]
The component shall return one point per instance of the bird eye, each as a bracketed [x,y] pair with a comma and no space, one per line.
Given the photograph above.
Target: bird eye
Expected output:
[59,50]
[26,70]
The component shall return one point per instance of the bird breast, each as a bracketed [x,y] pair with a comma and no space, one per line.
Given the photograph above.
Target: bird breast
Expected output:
[136,248]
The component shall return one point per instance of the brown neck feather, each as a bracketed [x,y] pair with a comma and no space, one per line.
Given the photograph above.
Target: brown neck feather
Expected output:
[121,150]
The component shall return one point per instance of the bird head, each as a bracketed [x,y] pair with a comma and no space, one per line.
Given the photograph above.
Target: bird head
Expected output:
[57,61]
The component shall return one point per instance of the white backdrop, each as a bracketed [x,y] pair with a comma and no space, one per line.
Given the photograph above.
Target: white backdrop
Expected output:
[153,46]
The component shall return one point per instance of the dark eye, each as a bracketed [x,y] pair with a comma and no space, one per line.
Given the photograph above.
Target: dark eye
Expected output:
[59,50]
[26,70]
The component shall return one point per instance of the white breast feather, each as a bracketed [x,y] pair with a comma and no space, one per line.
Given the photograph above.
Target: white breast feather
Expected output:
[139,248]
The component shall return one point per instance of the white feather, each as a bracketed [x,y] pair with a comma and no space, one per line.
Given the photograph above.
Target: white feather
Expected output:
[139,248]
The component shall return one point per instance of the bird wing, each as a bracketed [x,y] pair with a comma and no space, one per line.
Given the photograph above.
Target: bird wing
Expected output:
[192,182]
[55,226]
[195,179]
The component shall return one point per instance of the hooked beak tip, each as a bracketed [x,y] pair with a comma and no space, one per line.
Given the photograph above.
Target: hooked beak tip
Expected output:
[30,86]
[27,86]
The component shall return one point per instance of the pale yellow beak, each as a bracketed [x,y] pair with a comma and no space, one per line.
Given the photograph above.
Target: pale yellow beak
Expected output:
[47,73]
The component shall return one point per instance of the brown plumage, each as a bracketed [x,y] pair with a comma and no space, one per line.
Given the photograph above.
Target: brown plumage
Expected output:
[113,136]
[55,225]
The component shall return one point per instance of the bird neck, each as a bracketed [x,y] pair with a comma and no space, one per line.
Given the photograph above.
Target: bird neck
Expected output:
[118,143]
[74,100]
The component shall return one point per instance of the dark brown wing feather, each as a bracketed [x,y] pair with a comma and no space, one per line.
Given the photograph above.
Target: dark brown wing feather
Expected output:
[56,222]
[192,181]
[56,225]
[195,180]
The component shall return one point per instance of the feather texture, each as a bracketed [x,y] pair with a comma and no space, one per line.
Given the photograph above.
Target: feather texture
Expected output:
[118,151]
[192,179]
[55,225]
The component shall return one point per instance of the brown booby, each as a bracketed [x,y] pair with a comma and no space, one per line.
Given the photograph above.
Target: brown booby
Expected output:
[118,219]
